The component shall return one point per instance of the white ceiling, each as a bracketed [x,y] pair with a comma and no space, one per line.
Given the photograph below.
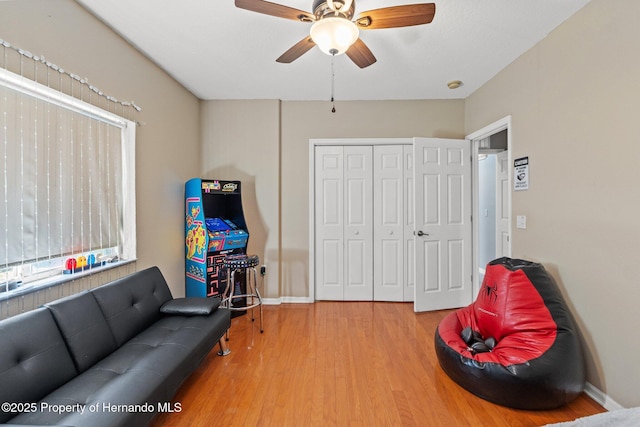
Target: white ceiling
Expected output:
[218,51]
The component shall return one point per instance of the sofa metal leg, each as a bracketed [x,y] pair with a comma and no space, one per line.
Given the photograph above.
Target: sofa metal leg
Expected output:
[224,349]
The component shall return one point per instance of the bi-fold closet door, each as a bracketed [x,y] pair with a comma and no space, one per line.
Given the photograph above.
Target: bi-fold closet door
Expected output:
[393,243]
[363,223]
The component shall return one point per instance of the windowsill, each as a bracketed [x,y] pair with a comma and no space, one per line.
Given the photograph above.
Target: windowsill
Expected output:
[58,280]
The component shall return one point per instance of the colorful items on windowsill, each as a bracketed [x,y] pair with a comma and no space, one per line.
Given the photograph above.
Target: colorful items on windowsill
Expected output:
[82,263]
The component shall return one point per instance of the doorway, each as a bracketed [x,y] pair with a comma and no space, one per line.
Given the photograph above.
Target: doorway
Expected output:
[492,147]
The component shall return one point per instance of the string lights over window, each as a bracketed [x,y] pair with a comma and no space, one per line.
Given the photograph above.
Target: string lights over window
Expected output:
[82,81]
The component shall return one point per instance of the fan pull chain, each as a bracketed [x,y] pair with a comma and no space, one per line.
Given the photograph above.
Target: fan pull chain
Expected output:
[333,77]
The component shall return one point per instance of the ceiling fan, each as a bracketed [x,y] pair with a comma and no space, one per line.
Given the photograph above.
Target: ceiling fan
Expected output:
[333,29]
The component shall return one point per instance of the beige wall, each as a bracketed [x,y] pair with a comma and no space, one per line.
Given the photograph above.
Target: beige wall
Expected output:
[266,143]
[167,142]
[302,121]
[241,142]
[573,98]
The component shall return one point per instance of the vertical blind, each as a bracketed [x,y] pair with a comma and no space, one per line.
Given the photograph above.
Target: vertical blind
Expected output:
[63,188]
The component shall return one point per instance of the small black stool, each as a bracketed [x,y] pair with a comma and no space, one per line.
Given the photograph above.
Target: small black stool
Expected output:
[248,263]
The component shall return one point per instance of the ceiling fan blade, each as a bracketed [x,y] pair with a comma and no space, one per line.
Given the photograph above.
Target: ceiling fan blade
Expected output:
[360,54]
[396,16]
[296,51]
[275,9]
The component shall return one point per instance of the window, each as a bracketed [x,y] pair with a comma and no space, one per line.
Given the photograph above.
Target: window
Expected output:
[67,190]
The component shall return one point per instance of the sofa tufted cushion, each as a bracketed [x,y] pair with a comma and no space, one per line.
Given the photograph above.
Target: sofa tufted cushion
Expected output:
[85,329]
[132,303]
[175,344]
[33,359]
[102,394]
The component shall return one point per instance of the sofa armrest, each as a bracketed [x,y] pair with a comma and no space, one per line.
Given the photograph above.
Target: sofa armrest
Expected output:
[190,306]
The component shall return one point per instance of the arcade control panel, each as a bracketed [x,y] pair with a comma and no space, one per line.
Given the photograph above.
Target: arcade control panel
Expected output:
[224,234]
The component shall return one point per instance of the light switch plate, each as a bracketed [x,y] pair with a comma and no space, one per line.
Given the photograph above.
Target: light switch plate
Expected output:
[521,221]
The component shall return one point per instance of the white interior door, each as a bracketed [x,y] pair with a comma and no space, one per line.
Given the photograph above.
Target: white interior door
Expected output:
[503,210]
[358,223]
[329,214]
[409,226]
[388,228]
[442,198]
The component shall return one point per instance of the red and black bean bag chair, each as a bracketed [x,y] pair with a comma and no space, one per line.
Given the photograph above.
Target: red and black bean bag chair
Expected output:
[517,345]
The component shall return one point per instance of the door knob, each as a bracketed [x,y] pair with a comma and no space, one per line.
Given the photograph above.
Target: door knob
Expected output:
[421,233]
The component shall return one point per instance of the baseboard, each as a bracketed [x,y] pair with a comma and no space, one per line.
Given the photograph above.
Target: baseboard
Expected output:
[601,398]
[286,300]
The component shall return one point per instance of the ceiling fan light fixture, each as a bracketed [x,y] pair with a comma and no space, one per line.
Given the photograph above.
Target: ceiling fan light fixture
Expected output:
[334,35]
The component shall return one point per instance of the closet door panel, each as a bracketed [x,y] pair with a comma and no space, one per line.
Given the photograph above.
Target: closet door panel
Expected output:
[329,214]
[388,229]
[358,233]
[408,225]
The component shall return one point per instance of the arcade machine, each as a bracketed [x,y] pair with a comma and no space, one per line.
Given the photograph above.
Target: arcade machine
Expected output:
[215,227]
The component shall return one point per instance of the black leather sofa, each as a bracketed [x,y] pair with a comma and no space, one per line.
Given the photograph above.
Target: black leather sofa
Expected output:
[111,356]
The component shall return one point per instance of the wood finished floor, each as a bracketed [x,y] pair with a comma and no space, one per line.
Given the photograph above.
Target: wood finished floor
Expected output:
[340,364]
